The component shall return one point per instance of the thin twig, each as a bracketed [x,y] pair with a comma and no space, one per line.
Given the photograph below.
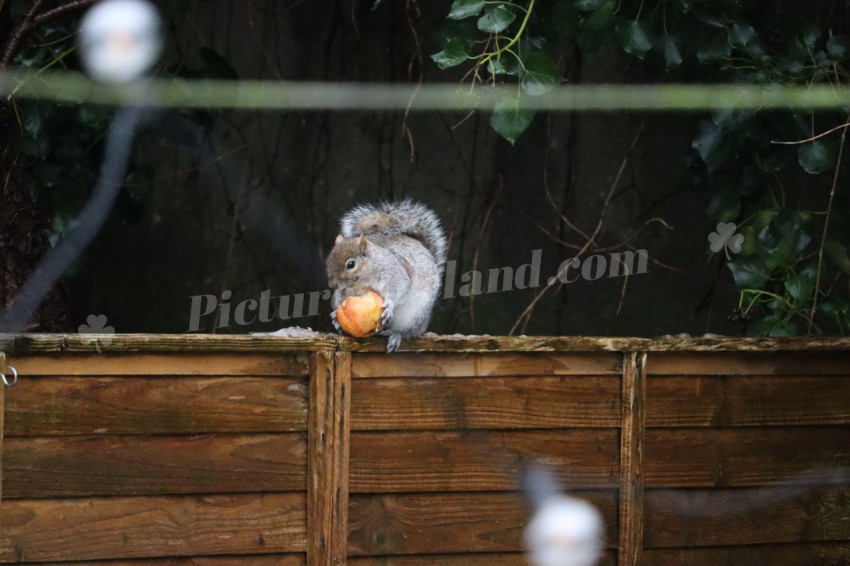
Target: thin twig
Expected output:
[826,133]
[826,227]
[525,316]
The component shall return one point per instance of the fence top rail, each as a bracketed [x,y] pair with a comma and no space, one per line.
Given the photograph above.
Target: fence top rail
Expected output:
[212,343]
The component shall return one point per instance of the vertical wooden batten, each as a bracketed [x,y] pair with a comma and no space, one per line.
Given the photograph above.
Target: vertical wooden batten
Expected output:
[327,459]
[2,420]
[631,459]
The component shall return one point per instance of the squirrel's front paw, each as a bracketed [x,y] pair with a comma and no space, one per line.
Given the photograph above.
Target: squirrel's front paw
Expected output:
[387,314]
[335,321]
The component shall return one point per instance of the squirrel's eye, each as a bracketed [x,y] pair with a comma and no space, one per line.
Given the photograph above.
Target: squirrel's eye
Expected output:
[350,264]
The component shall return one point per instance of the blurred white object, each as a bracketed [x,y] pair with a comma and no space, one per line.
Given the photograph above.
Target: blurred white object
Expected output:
[564,531]
[120,40]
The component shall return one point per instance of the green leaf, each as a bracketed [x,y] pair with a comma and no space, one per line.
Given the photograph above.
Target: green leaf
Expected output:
[378,3]
[799,286]
[712,49]
[454,53]
[712,144]
[817,156]
[465,9]
[510,120]
[724,207]
[599,18]
[636,37]
[540,75]
[496,19]
[671,53]
[565,18]
[837,252]
[749,273]
[837,48]
[809,35]
[589,5]
[742,36]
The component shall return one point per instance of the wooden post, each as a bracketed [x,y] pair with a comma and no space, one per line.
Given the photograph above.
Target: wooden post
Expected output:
[631,459]
[2,420]
[327,459]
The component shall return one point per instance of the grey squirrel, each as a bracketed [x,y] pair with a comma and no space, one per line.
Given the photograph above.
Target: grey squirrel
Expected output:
[398,250]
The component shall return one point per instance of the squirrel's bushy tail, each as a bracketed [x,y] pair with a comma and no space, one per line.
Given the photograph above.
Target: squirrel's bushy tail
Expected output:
[406,217]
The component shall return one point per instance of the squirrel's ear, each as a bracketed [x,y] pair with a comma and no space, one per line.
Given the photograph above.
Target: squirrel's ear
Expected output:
[362,244]
[339,238]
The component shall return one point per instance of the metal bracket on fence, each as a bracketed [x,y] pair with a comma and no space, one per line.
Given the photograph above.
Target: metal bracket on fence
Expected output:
[6,381]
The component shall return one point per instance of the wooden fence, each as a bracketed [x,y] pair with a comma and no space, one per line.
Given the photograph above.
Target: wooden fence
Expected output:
[264,451]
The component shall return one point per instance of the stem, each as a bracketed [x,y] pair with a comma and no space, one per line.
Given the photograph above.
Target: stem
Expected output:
[826,227]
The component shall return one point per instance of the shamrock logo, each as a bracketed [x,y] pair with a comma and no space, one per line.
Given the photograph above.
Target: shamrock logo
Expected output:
[97,325]
[726,239]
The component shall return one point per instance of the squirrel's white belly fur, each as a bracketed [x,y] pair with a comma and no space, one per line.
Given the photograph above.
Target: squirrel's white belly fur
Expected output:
[412,313]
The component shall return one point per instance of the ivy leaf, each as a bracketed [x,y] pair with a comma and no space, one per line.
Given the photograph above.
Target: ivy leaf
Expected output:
[817,156]
[837,252]
[837,48]
[540,75]
[496,19]
[589,5]
[636,37]
[378,3]
[800,286]
[712,49]
[672,53]
[600,17]
[724,206]
[749,273]
[565,18]
[741,35]
[454,53]
[465,9]
[712,144]
[510,120]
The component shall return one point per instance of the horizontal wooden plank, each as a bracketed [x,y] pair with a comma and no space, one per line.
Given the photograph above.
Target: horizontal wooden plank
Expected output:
[48,530]
[485,559]
[449,523]
[455,343]
[679,518]
[820,554]
[128,363]
[168,405]
[757,362]
[735,457]
[748,400]
[373,365]
[479,460]
[494,402]
[245,560]
[94,466]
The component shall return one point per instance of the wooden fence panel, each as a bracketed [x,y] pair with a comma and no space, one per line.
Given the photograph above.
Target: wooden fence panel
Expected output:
[265,451]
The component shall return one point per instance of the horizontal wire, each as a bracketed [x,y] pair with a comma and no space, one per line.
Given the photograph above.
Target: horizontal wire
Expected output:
[70,87]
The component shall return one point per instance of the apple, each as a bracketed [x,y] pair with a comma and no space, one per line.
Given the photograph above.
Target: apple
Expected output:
[360,316]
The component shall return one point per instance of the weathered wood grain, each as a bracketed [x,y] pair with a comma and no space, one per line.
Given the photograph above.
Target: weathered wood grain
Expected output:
[245,560]
[456,343]
[167,364]
[327,494]
[449,523]
[479,460]
[681,518]
[369,365]
[752,362]
[737,457]
[485,403]
[631,460]
[95,466]
[482,559]
[126,405]
[810,554]
[52,530]
[748,400]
